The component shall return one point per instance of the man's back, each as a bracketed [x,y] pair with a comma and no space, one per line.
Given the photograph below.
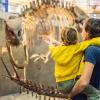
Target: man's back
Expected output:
[92,55]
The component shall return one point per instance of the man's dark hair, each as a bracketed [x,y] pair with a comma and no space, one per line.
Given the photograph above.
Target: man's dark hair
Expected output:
[92,26]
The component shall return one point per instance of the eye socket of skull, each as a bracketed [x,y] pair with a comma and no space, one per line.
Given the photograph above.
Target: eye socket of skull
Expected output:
[12,37]
[19,33]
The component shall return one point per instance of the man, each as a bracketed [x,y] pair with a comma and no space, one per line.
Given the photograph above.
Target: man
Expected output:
[92,60]
[91,72]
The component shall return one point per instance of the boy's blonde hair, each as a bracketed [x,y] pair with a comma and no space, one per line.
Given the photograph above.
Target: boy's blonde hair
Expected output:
[69,36]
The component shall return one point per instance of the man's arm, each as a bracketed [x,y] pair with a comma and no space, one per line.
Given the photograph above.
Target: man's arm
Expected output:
[84,79]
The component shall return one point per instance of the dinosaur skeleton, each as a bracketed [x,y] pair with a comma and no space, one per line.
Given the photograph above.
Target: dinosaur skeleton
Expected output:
[43,19]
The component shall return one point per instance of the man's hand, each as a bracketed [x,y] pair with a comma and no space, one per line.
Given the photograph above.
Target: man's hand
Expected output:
[84,80]
[70,95]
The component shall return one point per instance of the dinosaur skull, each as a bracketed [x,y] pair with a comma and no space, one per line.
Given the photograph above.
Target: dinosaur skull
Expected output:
[14,31]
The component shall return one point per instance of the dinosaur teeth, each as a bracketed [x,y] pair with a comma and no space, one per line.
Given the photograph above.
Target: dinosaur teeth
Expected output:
[39,89]
[20,89]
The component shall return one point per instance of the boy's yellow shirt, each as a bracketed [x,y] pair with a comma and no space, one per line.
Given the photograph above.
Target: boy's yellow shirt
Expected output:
[68,59]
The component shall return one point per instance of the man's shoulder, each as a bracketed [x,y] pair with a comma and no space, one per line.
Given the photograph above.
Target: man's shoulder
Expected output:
[92,54]
[93,51]
[93,48]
